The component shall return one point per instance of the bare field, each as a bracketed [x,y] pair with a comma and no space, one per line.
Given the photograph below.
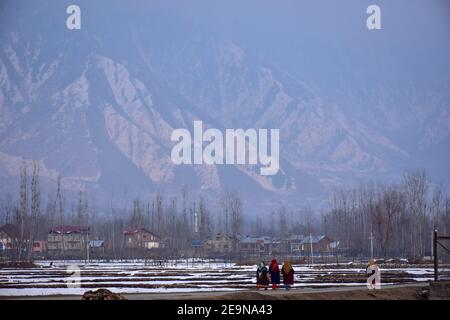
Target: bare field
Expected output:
[198,277]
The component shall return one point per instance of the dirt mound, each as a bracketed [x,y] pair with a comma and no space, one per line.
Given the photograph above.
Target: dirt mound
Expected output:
[102,294]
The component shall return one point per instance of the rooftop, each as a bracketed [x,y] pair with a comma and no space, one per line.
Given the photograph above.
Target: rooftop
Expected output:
[69,229]
[255,239]
[313,239]
[131,231]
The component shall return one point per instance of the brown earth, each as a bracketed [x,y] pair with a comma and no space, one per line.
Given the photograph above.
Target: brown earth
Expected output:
[398,292]
[407,293]
[18,264]
[102,294]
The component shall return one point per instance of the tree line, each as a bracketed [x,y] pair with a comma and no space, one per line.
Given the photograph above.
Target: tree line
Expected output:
[400,216]
[175,219]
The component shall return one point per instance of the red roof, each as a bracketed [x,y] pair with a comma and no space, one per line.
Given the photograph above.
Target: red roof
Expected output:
[69,229]
[130,231]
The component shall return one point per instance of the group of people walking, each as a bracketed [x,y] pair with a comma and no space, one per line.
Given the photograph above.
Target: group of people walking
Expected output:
[265,276]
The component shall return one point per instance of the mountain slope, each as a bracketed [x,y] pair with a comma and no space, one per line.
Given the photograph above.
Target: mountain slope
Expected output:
[98,105]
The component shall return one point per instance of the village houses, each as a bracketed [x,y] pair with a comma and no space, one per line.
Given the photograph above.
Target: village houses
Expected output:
[140,239]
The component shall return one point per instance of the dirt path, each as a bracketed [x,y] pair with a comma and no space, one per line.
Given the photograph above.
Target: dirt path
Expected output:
[405,292]
[398,292]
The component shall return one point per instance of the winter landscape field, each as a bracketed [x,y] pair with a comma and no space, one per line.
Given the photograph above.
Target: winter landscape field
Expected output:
[136,135]
[179,276]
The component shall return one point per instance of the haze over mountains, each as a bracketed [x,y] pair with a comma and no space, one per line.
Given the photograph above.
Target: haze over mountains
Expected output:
[98,105]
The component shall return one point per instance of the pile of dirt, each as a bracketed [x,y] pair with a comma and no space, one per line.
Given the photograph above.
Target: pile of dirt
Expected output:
[102,294]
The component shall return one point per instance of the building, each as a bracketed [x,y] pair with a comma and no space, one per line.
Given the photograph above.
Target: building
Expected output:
[294,243]
[320,244]
[197,243]
[96,244]
[141,238]
[39,247]
[220,244]
[334,245]
[9,236]
[96,248]
[68,240]
[255,245]
[279,246]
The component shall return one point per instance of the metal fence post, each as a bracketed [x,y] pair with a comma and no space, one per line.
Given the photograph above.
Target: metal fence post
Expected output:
[436,276]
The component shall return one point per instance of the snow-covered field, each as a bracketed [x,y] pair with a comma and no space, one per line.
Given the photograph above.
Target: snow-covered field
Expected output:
[138,276]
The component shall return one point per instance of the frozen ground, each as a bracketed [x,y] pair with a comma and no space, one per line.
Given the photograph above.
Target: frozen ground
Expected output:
[184,276]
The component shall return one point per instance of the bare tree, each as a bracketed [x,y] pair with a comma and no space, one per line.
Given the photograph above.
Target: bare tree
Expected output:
[184,200]
[159,214]
[205,219]
[415,185]
[23,209]
[8,209]
[35,206]
[60,209]
[282,223]
[231,204]
[137,218]
[437,207]
[82,209]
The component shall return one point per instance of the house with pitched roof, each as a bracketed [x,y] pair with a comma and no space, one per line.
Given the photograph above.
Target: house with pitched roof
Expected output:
[9,236]
[67,240]
[320,244]
[134,238]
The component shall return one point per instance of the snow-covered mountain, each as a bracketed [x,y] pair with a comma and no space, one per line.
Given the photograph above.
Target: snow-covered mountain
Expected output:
[98,105]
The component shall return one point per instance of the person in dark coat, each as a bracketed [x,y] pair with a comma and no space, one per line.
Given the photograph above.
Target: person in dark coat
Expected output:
[288,274]
[262,277]
[274,274]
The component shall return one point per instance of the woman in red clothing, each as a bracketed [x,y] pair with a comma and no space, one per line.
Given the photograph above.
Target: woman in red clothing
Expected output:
[274,274]
[288,274]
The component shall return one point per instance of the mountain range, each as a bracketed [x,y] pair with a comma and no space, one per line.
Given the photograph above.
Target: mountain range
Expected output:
[98,105]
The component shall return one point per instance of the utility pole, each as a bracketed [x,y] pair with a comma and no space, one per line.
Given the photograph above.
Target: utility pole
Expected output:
[436,238]
[371,245]
[310,243]
[196,223]
[87,246]
[432,245]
